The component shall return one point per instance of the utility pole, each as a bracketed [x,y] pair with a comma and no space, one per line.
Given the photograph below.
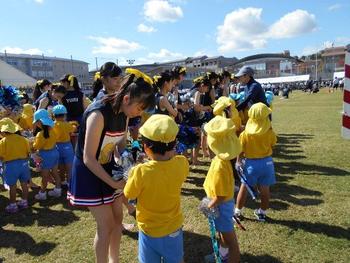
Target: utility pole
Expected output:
[316,65]
[96,64]
[71,59]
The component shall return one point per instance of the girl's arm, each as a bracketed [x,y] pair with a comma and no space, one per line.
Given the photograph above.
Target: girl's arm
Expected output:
[164,103]
[43,103]
[94,127]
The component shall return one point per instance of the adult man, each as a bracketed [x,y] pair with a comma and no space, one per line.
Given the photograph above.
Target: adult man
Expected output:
[253,90]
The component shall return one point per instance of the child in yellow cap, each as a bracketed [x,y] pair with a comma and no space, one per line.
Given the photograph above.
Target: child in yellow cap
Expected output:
[226,107]
[156,185]
[26,118]
[219,181]
[257,141]
[14,152]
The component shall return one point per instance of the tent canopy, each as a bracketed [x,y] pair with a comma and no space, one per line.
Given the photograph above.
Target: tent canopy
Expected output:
[284,79]
[12,76]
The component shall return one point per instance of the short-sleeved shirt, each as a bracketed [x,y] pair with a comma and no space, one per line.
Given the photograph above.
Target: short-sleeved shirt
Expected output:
[157,187]
[50,102]
[42,143]
[258,146]
[63,130]
[219,180]
[14,147]
[113,131]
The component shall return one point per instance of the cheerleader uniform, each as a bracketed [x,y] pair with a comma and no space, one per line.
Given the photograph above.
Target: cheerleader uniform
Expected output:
[85,188]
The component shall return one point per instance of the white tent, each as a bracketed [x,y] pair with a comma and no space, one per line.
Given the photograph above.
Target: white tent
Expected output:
[284,79]
[12,76]
[339,75]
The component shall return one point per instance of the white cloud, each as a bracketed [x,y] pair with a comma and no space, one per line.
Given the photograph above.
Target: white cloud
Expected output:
[293,24]
[145,29]
[241,30]
[244,29]
[112,45]
[334,7]
[39,1]
[18,50]
[164,55]
[161,11]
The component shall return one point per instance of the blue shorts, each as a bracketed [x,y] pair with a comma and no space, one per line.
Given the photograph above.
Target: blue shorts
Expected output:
[170,248]
[50,158]
[16,170]
[66,153]
[224,223]
[260,171]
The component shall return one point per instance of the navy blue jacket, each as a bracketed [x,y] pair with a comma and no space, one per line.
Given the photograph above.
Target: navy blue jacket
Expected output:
[254,93]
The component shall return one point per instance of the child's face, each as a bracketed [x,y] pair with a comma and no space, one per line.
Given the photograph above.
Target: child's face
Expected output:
[131,109]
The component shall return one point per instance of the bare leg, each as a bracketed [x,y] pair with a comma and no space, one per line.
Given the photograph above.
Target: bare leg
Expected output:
[24,187]
[230,241]
[44,178]
[104,218]
[56,177]
[116,234]
[241,197]
[264,196]
[13,189]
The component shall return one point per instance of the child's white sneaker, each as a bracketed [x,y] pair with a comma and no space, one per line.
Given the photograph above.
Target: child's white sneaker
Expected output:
[56,192]
[40,196]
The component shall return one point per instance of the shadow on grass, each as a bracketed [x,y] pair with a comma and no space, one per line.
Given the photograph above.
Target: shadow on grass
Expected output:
[249,258]
[308,169]
[196,247]
[195,192]
[43,216]
[24,243]
[315,228]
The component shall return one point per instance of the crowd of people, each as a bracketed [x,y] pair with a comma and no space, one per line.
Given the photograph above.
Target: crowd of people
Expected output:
[132,143]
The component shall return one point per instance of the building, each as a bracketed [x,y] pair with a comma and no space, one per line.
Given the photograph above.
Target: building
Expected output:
[195,66]
[51,68]
[333,60]
[269,65]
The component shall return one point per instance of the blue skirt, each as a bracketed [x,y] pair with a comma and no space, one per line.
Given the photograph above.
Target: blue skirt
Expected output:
[86,189]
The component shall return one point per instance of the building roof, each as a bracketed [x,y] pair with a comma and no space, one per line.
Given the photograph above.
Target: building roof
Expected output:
[266,55]
[333,51]
[39,57]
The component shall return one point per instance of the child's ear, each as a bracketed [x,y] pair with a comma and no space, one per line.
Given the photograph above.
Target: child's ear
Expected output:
[126,99]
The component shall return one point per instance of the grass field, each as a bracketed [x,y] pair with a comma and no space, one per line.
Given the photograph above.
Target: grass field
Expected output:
[310,206]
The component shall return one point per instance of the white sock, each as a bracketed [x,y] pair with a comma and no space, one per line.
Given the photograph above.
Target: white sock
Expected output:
[262,211]
[238,211]
[223,251]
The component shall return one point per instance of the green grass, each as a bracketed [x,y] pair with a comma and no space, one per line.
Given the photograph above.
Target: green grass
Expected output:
[310,203]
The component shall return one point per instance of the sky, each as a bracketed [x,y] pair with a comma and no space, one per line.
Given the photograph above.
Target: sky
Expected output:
[148,31]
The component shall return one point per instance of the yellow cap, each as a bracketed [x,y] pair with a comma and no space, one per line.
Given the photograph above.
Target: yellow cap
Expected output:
[28,110]
[258,122]
[8,125]
[222,139]
[221,104]
[160,128]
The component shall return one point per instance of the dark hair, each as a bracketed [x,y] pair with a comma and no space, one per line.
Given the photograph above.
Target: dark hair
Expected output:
[44,128]
[74,83]
[158,147]
[165,76]
[212,75]
[58,88]
[108,69]
[177,71]
[224,74]
[38,87]
[59,115]
[139,90]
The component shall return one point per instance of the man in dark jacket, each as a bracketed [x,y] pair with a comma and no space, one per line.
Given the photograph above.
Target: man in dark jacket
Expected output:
[253,90]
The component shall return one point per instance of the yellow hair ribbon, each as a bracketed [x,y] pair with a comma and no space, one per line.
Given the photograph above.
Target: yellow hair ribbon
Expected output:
[139,74]
[197,80]
[39,82]
[182,69]
[156,79]
[71,80]
[97,75]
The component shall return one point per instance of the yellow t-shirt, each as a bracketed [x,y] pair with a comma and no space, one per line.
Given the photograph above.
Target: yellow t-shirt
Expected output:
[157,187]
[41,143]
[14,147]
[258,146]
[219,180]
[63,130]
[26,123]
